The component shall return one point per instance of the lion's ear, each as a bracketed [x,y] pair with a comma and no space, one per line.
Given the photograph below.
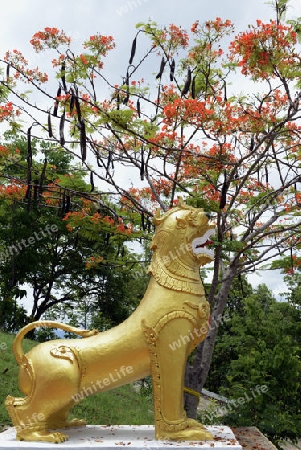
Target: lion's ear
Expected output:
[181,203]
[181,223]
[157,218]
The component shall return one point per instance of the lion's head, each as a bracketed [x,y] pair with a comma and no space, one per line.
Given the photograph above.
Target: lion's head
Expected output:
[179,246]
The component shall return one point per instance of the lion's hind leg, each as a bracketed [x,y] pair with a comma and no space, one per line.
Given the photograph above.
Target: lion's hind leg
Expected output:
[30,425]
[27,413]
[49,396]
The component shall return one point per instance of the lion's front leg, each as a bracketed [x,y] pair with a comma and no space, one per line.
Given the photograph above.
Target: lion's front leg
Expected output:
[169,344]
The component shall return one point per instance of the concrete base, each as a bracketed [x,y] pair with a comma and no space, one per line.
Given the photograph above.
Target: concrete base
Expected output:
[116,437]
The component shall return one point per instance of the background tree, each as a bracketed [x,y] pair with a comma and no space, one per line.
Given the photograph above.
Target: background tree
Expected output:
[262,368]
[59,248]
[293,294]
[186,129]
[224,351]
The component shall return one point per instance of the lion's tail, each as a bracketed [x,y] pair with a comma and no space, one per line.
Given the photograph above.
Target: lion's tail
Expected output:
[17,345]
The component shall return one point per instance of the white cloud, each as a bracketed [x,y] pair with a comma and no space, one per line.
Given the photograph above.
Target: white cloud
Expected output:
[272,278]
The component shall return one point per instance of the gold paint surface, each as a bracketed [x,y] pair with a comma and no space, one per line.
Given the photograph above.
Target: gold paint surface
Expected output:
[171,320]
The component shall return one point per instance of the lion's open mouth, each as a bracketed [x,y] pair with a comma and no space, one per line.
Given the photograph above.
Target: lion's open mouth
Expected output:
[199,244]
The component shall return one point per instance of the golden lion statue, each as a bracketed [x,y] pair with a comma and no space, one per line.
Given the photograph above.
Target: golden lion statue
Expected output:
[56,374]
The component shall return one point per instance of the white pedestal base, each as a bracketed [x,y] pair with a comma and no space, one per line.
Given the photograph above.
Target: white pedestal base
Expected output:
[135,437]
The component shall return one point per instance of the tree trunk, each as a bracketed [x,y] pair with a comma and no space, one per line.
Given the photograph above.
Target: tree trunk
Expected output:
[196,374]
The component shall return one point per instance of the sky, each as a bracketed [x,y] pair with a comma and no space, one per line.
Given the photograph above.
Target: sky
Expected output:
[20,19]
[82,18]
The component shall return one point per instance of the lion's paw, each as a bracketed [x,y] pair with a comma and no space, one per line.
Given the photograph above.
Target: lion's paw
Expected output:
[189,434]
[192,423]
[45,436]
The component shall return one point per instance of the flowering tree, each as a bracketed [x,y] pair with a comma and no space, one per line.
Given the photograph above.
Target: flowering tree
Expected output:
[219,125]
[69,255]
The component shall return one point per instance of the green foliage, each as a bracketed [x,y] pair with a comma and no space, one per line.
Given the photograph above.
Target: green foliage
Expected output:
[224,350]
[262,371]
[210,414]
[120,118]
[293,294]
[296,24]
[13,316]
